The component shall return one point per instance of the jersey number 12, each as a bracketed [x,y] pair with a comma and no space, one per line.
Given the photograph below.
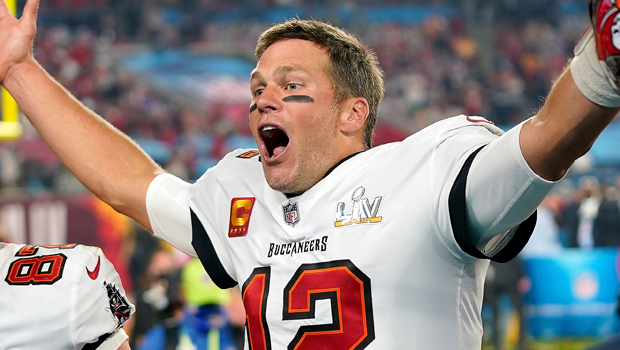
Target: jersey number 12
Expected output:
[342,283]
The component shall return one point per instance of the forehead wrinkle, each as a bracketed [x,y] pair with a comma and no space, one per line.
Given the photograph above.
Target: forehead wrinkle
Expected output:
[285,69]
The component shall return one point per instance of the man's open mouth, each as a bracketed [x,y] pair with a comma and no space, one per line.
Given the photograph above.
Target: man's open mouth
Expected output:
[275,140]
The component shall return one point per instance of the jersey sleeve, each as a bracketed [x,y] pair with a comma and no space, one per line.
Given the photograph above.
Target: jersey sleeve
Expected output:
[500,174]
[191,217]
[209,205]
[99,306]
[167,204]
[479,178]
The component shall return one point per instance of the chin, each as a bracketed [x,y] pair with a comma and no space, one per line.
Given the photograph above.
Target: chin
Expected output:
[283,184]
[277,183]
[283,187]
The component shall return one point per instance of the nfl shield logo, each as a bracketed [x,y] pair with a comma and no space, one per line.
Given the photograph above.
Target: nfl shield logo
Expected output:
[291,214]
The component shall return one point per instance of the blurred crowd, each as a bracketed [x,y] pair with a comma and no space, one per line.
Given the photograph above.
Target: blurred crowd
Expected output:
[178,306]
[499,66]
[482,58]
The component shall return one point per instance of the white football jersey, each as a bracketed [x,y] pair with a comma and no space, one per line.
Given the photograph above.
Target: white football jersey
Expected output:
[371,257]
[60,297]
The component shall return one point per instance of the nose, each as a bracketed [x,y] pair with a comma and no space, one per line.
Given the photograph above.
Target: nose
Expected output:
[269,100]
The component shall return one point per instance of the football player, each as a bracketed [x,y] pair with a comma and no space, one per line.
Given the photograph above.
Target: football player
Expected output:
[60,297]
[333,243]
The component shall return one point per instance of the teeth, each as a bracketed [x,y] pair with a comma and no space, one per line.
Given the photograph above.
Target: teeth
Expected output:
[269,127]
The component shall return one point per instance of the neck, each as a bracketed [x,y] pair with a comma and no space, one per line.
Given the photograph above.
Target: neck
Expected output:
[329,171]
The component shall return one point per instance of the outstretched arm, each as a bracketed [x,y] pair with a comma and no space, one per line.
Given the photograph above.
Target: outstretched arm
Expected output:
[105,160]
[564,129]
[580,105]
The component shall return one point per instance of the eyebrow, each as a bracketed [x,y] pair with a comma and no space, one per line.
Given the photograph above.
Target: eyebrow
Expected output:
[281,70]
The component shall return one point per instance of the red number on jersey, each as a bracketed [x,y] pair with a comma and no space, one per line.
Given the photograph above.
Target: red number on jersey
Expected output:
[255,291]
[45,269]
[348,289]
[341,282]
[29,250]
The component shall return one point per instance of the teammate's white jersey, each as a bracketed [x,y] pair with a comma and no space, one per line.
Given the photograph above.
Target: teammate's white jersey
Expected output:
[60,297]
[365,259]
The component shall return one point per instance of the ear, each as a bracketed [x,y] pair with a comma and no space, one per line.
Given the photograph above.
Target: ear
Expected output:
[353,115]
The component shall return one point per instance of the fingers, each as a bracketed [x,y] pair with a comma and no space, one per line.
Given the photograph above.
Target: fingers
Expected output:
[4,9]
[31,9]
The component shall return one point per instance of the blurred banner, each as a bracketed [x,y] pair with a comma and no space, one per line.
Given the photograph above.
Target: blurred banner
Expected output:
[57,220]
[573,294]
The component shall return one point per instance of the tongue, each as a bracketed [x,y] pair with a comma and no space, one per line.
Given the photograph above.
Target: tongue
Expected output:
[277,151]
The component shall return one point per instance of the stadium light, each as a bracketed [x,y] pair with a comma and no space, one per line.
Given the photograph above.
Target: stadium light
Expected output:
[10,127]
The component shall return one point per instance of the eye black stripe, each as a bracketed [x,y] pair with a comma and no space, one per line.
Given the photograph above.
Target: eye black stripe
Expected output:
[298,98]
[293,98]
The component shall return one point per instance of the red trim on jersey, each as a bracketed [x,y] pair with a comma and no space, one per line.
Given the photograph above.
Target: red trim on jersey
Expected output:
[481,120]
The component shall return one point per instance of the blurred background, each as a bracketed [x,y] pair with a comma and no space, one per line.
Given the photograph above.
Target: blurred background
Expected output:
[173,75]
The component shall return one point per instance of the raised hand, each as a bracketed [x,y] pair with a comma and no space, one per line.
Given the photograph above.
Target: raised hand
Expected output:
[16,37]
